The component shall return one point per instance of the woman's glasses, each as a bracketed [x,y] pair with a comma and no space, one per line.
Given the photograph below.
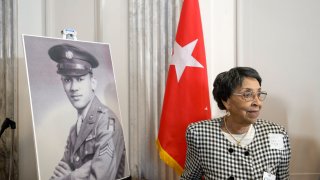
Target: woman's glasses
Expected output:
[250,95]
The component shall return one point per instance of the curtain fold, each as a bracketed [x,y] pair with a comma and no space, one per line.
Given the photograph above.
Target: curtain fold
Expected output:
[8,53]
[152,28]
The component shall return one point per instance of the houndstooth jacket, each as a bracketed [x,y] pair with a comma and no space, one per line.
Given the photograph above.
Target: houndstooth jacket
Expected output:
[212,156]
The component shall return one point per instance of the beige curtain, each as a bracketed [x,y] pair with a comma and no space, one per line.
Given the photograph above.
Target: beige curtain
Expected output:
[152,28]
[7,88]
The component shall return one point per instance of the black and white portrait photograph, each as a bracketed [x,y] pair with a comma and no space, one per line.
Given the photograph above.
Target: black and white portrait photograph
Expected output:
[76,117]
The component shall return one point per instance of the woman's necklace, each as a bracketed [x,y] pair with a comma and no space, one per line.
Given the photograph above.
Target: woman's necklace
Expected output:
[238,141]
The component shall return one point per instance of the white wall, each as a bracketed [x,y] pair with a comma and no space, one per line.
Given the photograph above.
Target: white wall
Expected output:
[278,38]
[29,21]
[281,40]
[218,23]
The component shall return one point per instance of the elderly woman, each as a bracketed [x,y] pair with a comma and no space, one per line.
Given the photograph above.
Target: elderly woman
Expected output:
[237,145]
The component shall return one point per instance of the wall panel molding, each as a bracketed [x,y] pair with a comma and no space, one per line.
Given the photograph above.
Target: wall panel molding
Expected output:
[60,14]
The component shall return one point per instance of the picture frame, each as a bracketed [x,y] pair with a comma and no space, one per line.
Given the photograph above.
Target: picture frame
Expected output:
[54,117]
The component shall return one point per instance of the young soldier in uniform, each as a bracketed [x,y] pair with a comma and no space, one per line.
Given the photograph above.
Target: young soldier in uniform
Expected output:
[95,147]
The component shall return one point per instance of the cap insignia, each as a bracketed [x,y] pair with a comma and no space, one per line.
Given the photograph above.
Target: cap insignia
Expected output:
[69,55]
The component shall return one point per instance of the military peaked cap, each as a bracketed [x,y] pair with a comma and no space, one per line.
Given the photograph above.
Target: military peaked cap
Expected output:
[72,60]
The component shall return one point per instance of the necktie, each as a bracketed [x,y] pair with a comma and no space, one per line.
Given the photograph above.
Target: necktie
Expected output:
[79,122]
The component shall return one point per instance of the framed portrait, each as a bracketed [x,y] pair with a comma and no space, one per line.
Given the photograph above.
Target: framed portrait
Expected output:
[75,109]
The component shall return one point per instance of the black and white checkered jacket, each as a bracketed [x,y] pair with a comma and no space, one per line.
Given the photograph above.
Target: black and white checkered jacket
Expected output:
[212,155]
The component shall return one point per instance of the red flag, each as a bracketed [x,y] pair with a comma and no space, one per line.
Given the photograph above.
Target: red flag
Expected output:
[186,98]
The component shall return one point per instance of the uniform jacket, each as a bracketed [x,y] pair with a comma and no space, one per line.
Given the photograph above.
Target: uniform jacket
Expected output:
[211,155]
[99,150]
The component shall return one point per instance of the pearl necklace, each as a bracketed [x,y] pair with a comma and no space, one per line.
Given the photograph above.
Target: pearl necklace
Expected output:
[238,141]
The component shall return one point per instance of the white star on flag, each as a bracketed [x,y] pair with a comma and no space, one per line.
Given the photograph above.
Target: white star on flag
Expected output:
[182,57]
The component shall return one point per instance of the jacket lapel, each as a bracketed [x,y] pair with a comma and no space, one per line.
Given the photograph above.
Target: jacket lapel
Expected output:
[88,123]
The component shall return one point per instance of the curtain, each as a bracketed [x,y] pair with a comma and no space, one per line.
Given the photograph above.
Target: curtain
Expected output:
[152,28]
[7,88]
